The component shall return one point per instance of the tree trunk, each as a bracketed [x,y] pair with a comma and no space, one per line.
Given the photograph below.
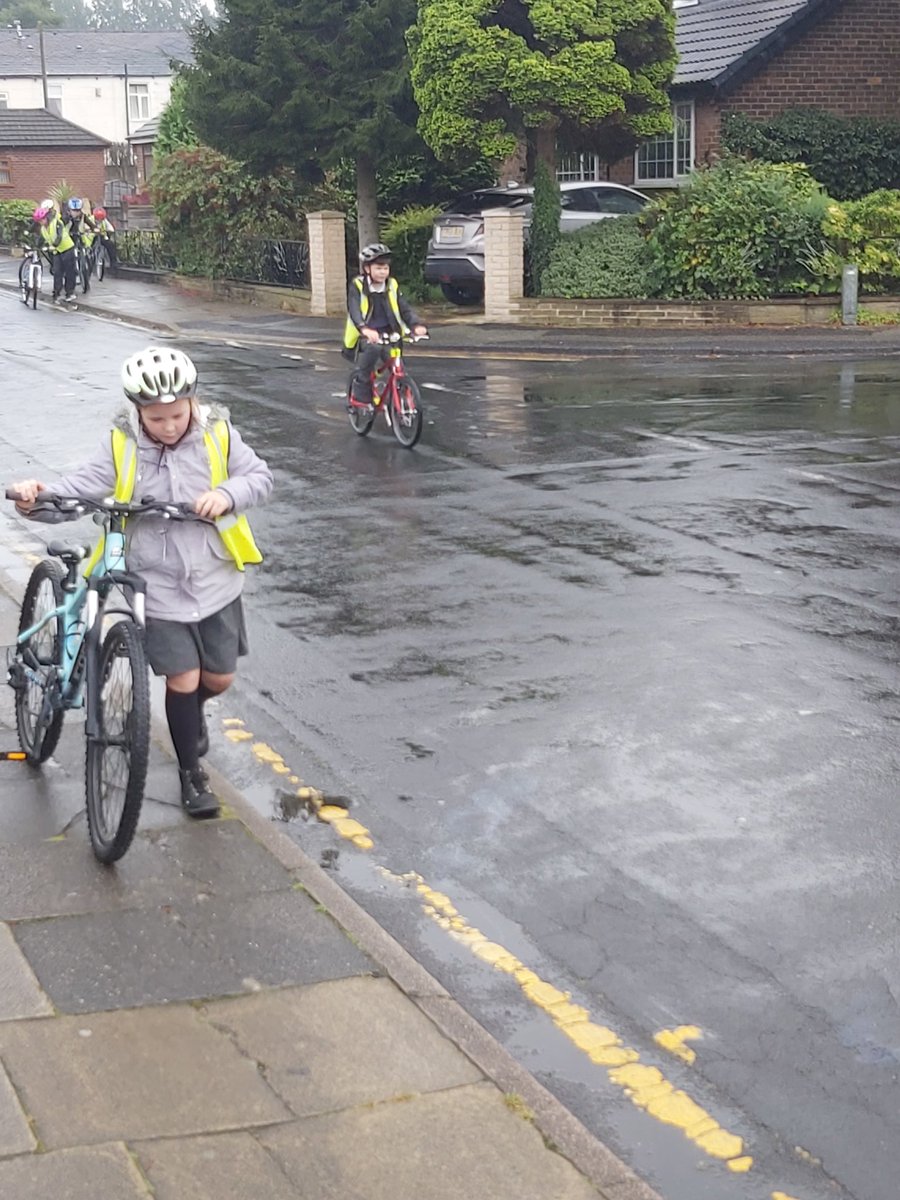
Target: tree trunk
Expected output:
[545,146]
[366,201]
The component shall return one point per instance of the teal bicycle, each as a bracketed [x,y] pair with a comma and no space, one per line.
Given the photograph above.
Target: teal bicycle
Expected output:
[81,645]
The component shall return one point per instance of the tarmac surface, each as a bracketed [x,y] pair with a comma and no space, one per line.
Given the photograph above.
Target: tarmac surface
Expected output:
[215,1017]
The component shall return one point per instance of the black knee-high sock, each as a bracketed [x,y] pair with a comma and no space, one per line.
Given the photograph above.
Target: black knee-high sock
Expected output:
[203,694]
[183,713]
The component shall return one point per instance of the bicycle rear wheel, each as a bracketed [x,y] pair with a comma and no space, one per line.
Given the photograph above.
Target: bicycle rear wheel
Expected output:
[34,668]
[406,412]
[116,765]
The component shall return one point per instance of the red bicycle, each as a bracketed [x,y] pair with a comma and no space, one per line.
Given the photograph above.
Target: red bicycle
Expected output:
[394,392]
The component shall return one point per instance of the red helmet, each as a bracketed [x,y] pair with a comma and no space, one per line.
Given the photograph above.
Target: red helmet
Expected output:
[100,214]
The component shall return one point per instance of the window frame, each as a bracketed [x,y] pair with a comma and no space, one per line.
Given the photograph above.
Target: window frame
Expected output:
[578,167]
[6,169]
[136,93]
[681,151]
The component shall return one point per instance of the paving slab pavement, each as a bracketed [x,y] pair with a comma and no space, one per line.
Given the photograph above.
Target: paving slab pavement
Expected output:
[214,1018]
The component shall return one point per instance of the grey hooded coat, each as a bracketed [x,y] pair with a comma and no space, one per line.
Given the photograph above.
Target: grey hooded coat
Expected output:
[189,573]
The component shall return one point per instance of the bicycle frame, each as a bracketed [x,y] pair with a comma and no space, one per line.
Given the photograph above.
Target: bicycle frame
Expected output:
[386,376]
[81,621]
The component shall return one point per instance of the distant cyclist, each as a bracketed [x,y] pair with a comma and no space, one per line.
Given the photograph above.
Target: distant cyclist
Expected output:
[375,307]
[58,244]
[106,232]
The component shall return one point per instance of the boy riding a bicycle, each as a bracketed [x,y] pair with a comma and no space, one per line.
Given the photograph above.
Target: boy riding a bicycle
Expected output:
[168,446]
[375,307]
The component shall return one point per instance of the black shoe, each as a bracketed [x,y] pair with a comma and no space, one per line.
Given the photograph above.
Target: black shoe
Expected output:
[203,743]
[196,796]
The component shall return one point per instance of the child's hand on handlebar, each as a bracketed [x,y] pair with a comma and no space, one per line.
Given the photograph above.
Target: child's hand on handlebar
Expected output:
[212,504]
[26,493]
[371,335]
[420,331]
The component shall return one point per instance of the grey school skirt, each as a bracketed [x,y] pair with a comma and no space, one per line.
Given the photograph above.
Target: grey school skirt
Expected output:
[213,644]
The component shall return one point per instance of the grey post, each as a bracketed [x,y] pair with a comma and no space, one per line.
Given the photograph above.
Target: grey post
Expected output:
[849,294]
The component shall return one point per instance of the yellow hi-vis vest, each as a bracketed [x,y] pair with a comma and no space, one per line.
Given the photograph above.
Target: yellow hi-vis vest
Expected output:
[234,529]
[351,333]
[48,233]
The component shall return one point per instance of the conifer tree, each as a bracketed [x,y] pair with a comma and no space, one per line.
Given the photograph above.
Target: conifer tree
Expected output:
[304,84]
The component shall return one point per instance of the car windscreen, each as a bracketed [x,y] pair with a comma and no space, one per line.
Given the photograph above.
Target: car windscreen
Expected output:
[476,202]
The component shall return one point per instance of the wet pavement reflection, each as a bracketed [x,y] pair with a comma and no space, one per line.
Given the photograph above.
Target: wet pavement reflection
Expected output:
[610,661]
[608,664]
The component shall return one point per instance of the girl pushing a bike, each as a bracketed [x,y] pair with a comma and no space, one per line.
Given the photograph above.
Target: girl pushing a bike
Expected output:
[376,308]
[169,446]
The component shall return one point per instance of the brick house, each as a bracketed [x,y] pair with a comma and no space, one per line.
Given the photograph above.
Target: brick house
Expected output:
[38,149]
[762,57]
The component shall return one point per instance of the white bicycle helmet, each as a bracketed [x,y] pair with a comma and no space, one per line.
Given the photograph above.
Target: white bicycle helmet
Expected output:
[159,376]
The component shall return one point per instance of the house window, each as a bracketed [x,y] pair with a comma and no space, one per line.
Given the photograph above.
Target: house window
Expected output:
[5,173]
[54,98]
[668,158]
[578,168]
[139,101]
[4,99]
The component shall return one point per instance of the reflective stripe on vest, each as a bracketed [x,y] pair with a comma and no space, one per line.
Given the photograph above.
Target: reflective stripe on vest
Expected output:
[351,333]
[233,529]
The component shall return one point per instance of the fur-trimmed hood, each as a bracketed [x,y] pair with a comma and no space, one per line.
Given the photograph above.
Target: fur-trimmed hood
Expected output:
[126,419]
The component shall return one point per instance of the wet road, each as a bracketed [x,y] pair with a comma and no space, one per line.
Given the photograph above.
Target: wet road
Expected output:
[607,668]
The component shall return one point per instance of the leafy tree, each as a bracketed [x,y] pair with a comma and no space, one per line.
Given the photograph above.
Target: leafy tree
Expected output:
[175,132]
[29,13]
[303,84]
[584,74]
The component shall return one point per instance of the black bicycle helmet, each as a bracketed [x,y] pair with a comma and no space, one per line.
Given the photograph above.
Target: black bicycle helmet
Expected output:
[375,252]
[158,376]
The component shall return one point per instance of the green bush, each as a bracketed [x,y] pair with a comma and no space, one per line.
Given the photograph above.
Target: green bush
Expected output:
[206,202]
[849,156]
[16,222]
[865,232]
[543,232]
[600,261]
[739,230]
[407,234]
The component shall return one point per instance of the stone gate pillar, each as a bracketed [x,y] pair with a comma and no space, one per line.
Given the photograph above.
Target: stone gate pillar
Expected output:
[504,263]
[327,264]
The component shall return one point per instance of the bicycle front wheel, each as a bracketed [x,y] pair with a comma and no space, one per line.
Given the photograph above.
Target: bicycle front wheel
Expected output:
[34,672]
[362,417]
[116,767]
[102,261]
[406,412]
[35,286]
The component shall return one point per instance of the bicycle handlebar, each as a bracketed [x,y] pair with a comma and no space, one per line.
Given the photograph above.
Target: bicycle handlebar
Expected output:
[71,507]
[391,339]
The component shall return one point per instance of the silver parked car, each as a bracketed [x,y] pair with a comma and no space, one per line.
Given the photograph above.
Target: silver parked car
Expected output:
[455,257]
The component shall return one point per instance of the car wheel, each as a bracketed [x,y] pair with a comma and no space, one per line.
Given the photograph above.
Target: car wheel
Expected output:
[462,295]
